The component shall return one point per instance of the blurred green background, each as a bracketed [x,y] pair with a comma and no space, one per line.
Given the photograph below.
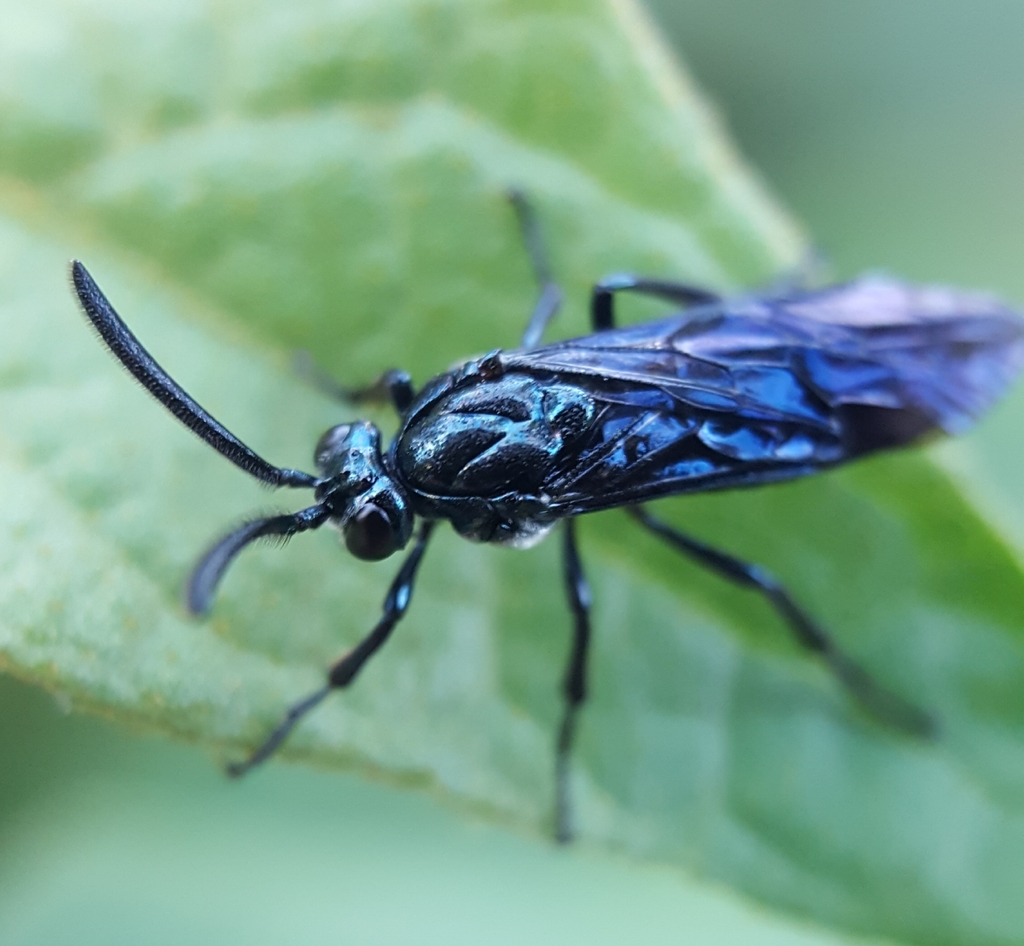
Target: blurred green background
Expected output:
[895,132]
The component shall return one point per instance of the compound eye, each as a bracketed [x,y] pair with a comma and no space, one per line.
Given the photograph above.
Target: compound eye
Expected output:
[331,444]
[369,534]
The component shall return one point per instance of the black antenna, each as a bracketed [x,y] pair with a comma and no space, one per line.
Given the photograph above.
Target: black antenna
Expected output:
[130,352]
[207,574]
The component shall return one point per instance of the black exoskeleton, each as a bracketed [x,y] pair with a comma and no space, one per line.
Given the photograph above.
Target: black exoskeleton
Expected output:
[730,393]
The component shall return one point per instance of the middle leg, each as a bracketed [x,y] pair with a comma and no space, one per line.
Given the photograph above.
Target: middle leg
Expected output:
[574,684]
[550,299]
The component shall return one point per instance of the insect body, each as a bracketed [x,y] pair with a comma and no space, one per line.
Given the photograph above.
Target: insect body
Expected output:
[728,393]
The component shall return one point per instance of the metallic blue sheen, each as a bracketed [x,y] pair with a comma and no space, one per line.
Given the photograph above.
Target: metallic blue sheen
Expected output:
[731,394]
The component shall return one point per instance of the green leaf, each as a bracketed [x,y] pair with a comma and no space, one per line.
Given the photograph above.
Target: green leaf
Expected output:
[248,179]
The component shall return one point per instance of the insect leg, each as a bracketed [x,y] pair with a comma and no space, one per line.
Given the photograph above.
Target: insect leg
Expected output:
[344,670]
[882,703]
[602,315]
[550,299]
[393,387]
[574,684]
[141,364]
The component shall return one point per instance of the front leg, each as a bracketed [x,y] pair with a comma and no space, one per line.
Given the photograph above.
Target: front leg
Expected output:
[393,387]
[345,669]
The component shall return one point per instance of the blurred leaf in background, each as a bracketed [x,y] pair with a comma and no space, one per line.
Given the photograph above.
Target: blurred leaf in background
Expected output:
[251,178]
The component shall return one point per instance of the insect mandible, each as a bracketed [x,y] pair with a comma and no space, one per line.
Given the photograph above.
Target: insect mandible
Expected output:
[728,393]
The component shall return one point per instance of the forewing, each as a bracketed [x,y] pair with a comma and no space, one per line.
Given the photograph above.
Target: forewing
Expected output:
[672,422]
[761,389]
[945,353]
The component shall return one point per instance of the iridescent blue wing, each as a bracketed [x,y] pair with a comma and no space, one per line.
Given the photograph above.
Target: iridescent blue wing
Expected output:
[759,389]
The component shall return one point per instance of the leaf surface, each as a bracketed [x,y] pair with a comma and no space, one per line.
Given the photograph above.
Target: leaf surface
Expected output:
[246,179]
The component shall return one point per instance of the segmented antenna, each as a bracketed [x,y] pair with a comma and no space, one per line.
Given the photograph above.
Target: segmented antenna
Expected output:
[131,353]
